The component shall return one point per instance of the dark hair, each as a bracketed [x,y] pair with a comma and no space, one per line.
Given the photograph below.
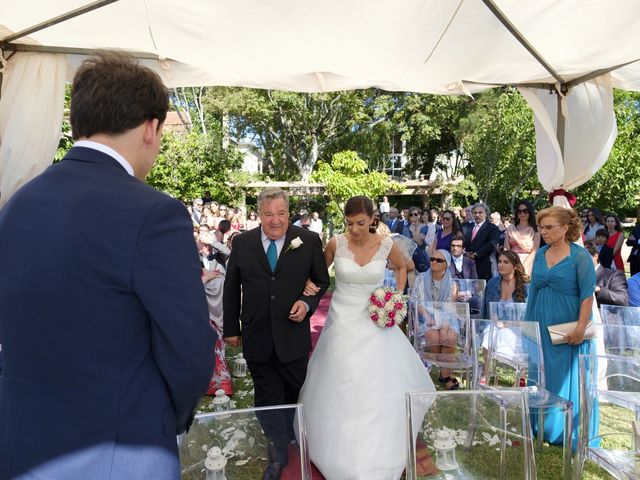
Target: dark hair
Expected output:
[532,214]
[224,226]
[455,224]
[457,236]
[602,232]
[358,204]
[111,94]
[519,274]
[615,217]
[596,213]
[591,248]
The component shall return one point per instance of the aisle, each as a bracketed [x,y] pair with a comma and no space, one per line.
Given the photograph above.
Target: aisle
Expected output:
[319,317]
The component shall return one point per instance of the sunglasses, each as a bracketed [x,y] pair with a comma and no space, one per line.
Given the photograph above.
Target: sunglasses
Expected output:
[437,260]
[415,214]
[446,218]
[523,210]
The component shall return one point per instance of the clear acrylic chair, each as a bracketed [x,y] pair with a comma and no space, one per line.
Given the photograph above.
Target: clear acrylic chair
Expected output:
[619,324]
[508,355]
[469,434]
[618,451]
[234,446]
[440,336]
[513,311]
[471,292]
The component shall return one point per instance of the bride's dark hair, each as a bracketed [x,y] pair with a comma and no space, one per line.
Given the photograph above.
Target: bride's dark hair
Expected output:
[357,205]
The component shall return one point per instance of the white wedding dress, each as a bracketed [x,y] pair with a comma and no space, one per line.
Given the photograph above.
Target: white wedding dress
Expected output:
[354,393]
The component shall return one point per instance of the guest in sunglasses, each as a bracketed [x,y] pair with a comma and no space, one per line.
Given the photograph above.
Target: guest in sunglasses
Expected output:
[440,332]
[522,236]
[450,228]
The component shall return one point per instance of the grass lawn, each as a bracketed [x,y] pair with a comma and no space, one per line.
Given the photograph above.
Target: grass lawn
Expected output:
[548,460]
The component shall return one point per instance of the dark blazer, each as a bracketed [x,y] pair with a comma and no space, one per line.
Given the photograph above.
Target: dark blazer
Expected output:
[483,244]
[613,287]
[396,226]
[260,300]
[468,269]
[104,322]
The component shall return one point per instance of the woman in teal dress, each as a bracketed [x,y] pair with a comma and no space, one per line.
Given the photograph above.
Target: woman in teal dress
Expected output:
[562,285]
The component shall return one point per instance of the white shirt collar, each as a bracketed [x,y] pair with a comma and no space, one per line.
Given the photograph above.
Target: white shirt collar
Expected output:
[108,151]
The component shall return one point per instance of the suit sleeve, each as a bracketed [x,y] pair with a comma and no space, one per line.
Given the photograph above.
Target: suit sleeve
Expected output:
[166,278]
[318,275]
[232,293]
[615,293]
[473,271]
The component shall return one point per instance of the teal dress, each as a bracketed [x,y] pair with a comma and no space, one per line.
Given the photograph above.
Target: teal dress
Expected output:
[555,296]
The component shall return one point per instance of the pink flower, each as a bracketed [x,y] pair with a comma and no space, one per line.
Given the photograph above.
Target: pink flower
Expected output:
[373,299]
[379,304]
[390,323]
[374,317]
[392,314]
[397,306]
[387,296]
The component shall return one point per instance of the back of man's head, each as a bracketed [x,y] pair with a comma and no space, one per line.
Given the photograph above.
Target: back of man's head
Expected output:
[111,94]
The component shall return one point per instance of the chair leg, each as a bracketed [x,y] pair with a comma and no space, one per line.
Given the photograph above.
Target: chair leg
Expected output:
[567,451]
[540,427]
[503,442]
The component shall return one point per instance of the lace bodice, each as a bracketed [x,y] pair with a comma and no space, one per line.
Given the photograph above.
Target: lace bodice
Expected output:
[349,272]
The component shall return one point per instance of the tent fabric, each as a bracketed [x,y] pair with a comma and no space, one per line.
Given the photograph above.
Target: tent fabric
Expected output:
[430,46]
[590,130]
[30,118]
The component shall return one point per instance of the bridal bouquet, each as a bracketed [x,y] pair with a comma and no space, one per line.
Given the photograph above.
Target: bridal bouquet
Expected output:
[388,307]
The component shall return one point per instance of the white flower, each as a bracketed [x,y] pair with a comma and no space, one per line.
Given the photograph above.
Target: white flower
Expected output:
[379,293]
[388,306]
[295,243]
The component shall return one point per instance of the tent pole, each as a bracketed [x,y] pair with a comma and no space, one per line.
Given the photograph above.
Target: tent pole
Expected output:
[560,123]
[490,4]
[59,19]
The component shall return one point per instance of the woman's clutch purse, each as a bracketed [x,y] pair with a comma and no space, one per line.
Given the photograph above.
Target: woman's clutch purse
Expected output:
[559,331]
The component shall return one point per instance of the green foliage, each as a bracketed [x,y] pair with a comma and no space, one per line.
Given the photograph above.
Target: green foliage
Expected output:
[346,176]
[621,172]
[192,163]
[499,143]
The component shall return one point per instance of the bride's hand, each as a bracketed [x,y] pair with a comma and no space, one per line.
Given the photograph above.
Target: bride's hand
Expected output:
[310,289]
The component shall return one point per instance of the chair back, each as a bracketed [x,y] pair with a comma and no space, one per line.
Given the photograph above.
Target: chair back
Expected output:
[507,311]
[619,339]
[471,292]
[432,319]
[239,434]
[472,434]
[506,352]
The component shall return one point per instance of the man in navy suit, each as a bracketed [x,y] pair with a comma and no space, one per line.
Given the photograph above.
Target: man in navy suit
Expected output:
[461,267]
[395,224]
[480,239]
[104,324]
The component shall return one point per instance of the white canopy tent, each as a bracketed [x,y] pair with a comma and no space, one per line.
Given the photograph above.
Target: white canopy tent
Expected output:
[579,49]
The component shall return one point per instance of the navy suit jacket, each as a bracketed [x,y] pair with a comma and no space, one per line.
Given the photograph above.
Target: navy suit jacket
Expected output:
[468,269]
[396,226]
[104,325]
[483,244]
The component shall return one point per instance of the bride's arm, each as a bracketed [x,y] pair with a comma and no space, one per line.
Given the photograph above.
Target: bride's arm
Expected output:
[395,257]
[310,288]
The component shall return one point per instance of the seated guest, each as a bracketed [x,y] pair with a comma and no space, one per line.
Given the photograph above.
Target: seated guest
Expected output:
[436,285]
[450,228]
[511,285]
[605,252]
[633,290]
[461,266]
[611,285]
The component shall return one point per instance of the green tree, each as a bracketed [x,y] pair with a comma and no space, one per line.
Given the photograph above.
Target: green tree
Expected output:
[620,175]
[295,129]
[346,176]
[499,145]
[190,164]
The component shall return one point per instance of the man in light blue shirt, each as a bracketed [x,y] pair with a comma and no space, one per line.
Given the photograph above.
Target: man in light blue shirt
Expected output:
[633,290]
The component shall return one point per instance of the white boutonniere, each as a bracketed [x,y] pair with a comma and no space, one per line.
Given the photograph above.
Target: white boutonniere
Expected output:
[295,243]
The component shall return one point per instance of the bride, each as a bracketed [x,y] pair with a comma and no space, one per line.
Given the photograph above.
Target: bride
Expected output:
[354,393]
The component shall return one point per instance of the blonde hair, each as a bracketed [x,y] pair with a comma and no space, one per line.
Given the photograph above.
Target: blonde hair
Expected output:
[565,216]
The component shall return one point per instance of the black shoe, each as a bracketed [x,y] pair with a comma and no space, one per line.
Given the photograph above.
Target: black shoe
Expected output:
[273,471]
